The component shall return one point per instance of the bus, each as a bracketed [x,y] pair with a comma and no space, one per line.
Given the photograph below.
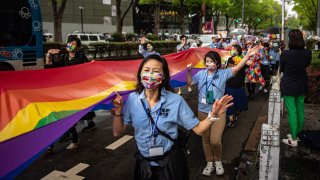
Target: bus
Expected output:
[21,39]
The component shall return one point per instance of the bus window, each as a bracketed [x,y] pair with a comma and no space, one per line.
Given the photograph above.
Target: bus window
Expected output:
[102,37]
[16,28]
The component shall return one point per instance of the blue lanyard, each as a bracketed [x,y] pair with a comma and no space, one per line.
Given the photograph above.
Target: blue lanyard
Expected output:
[154,124]
[213,77]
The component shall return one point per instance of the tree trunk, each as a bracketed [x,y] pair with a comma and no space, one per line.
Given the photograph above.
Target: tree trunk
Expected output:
[57,18]
[181,18]
[227,23]
[215,23]
[203,14]
[157,18]
[119,23]
[57,29]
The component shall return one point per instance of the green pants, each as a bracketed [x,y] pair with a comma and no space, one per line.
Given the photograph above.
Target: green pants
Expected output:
[295,107]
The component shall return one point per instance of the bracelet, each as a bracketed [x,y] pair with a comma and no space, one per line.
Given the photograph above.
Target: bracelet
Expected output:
[212,119]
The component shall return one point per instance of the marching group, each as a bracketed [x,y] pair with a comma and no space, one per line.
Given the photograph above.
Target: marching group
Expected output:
[155,111]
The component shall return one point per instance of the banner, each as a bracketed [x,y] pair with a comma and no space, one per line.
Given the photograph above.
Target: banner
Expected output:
[38,106]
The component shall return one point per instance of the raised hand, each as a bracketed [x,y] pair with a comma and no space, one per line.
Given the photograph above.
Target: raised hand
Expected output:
[253,50]
[221,105]
[189,66]
[117,102]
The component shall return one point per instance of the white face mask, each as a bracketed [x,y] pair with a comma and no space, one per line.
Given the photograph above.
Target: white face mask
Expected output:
[210,65]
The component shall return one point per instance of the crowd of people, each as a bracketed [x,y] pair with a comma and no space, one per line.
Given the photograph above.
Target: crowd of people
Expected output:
[155,111]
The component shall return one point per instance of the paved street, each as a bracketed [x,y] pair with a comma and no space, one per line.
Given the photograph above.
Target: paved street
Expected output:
[119,163]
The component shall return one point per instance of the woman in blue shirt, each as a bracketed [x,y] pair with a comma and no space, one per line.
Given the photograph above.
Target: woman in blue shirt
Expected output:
[149,48]
[211,86]
[155,114]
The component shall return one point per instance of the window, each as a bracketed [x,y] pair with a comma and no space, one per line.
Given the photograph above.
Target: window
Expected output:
[84,38]
[107,20]
[106,2]
[93,38]
[113,10]
[16,20]
[101,37]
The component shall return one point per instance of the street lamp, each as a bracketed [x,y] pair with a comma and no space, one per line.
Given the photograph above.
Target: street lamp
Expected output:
[242,13]
[81,7]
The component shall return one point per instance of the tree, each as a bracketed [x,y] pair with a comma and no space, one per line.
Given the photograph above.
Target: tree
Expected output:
[307,11]
[180,4]
[120,18]
[57,18]
[156,13]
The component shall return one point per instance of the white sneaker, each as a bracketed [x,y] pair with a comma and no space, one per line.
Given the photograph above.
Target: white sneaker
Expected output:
[189,89]
[179,91]
[219,168]
[208,169]
[290,137]
[265,90]
[290,142]
[73,146]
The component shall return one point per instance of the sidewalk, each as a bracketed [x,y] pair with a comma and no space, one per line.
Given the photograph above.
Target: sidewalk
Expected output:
[302,162]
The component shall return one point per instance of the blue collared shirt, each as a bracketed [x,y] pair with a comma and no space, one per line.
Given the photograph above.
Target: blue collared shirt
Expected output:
[216,45]
[146,53]
[174,111]
[275,56]
[215,82]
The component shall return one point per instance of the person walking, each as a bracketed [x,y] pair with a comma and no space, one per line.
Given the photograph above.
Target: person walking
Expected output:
[72,57]
[253,73]
[294,83]
[182,47]
[211,86]
[235,87]
[155,114]
[148,50]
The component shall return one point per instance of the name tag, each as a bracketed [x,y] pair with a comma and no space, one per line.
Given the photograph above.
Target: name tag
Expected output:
[156,151]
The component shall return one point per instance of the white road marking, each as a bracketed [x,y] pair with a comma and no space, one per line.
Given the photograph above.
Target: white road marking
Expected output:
[120,142]
[70,174]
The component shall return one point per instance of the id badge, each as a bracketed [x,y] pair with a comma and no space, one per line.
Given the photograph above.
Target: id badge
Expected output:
[155,151]
[203,101]
[209,97]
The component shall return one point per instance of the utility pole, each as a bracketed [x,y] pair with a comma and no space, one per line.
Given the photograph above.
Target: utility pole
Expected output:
[318,19]
[282,30]
[81,16]
[243,14]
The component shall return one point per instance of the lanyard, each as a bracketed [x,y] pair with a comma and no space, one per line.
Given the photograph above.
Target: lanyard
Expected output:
[213,77]
[154,124]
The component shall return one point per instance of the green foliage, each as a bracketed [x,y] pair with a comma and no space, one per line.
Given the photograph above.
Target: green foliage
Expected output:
[315,63]
[310,43]
[152,37]
[307,11]
[117,37]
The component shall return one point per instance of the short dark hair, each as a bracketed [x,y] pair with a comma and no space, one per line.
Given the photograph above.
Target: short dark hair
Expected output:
[166,74]
[75,38]
[238,48]
[215,57]
[296,40]
[183,36]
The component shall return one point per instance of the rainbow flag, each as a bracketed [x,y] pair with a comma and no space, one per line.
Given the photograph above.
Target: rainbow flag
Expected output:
[38,106]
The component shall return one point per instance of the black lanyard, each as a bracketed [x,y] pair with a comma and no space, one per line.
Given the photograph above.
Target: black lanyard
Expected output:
[206,83]
[153,123]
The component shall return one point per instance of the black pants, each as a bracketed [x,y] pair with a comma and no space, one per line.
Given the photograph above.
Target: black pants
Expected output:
[73,134]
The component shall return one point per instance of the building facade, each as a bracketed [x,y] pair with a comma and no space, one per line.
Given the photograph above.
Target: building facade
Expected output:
[99,16]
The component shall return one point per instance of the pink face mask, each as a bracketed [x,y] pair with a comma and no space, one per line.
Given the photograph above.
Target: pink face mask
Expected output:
[151,80]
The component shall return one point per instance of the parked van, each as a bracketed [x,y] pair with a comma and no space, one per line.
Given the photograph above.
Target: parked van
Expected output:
[87,38]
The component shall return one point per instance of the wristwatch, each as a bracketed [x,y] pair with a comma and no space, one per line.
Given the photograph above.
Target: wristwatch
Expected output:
[211,118]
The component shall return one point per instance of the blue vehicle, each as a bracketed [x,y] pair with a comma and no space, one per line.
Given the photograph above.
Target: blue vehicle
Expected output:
[21,39]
